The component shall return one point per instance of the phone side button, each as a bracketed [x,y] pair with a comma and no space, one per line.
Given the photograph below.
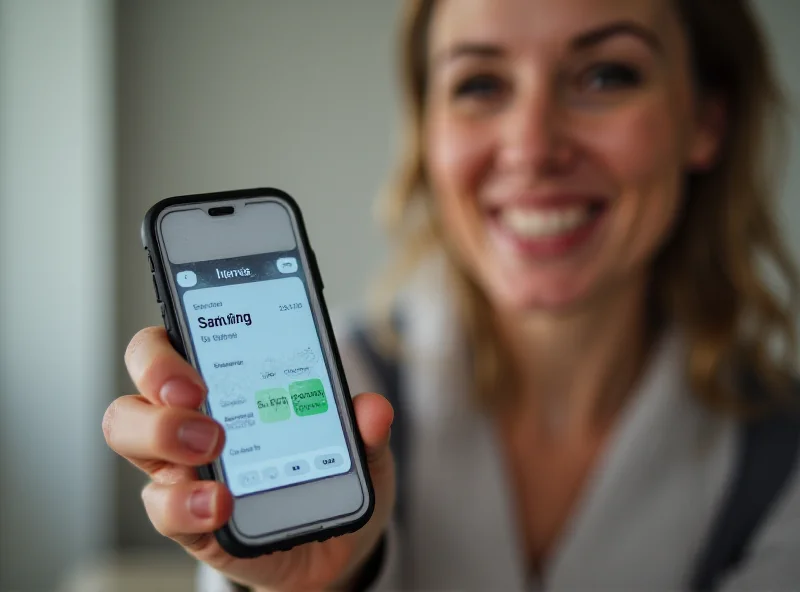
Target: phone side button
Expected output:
[173,338]
[165,318]
[317,274]
[155,287]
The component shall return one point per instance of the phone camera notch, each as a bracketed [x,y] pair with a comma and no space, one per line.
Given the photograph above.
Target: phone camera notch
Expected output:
[220,211]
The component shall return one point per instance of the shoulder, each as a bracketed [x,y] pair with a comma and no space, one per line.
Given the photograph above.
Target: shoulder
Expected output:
[769,475]
[770,438]
[770,560]
[777,418]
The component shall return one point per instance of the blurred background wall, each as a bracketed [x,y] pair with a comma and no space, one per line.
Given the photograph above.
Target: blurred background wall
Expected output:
[108,106]
[57,286]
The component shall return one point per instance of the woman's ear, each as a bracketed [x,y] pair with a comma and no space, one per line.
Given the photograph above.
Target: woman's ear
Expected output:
[708,134]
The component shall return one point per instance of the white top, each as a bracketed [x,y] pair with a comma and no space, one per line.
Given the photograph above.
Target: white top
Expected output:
[643,515]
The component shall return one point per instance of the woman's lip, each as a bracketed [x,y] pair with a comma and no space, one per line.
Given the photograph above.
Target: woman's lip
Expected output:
[548,247]
[550,201]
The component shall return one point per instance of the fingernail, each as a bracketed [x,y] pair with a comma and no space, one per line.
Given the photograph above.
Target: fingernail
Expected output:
[180,392]
[201,502]
[199,436]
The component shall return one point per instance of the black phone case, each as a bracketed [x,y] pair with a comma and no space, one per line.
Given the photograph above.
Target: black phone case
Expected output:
[169,315]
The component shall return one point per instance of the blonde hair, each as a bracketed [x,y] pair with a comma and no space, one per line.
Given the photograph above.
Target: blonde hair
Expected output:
[707,277]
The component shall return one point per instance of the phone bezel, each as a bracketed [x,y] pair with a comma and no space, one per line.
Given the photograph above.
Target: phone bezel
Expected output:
[233,537]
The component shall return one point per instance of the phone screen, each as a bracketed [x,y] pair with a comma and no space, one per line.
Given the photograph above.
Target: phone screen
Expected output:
[257,346]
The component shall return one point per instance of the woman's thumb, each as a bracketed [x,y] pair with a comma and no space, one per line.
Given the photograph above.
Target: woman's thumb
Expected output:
[374,416]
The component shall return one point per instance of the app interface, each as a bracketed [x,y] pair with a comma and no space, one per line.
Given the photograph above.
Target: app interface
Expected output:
[257,346]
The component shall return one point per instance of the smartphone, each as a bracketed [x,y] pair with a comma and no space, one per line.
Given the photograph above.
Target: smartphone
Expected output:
[241,298]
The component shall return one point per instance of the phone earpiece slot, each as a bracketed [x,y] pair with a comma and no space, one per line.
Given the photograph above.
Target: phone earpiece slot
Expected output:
[220,211]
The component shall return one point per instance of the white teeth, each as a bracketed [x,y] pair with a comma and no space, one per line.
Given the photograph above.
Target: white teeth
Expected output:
[544,223]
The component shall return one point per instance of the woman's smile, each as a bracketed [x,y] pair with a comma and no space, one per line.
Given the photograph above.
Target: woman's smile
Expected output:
[545,228]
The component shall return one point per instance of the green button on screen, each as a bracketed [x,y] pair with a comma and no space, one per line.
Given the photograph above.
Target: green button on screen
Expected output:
[273,405]
[308,397]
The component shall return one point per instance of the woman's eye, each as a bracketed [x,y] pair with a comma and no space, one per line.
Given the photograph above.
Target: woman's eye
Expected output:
[478,87]
[605,77]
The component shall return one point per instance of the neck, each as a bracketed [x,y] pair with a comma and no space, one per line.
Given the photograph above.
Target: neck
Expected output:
[576,369]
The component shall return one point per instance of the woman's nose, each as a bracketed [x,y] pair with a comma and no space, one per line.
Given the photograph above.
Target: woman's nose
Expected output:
[535,136]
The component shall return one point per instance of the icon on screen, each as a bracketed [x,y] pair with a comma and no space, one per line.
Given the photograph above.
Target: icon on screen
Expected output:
[287,264]
[187,279]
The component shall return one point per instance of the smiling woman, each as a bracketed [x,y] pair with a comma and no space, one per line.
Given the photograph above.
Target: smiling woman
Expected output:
[613,153]
[581,212]
[592,178]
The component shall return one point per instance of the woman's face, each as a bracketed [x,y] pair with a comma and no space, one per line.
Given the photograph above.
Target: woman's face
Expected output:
[557,137]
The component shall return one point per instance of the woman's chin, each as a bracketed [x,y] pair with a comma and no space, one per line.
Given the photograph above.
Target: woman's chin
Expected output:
[543,295]
[556,274]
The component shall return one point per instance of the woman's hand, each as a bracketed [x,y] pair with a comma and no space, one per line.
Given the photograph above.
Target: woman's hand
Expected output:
[162,432]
